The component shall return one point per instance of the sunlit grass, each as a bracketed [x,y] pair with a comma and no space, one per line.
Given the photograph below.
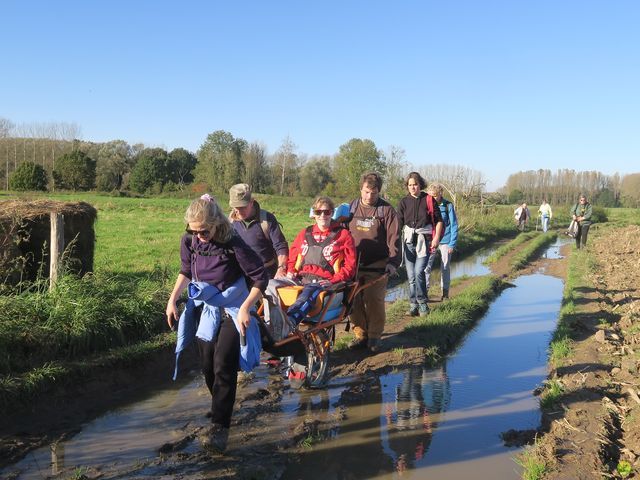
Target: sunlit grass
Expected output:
[532,249]
[447,322]
[342,342]
[551,395]
[509,247]
[533,463]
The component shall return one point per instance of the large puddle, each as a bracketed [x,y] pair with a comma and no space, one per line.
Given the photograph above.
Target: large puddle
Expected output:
[419,422]
[446,422]
[468,266]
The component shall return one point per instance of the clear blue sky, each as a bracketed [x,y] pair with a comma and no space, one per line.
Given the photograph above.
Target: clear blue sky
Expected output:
[498,86]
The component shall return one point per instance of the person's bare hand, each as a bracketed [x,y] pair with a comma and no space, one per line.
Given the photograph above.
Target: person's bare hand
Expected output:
[172,314]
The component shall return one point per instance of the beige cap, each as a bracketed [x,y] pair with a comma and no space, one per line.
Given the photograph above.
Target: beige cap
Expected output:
[239,195]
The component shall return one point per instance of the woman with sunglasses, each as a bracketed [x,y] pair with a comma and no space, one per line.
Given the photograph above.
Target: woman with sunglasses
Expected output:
[212,254]
[322,254]
[318,249]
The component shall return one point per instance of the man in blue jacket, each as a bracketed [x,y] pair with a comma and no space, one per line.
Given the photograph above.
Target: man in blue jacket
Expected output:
[259,229]
[448,241]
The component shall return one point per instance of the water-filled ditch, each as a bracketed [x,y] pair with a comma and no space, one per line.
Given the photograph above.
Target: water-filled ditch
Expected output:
[418,422]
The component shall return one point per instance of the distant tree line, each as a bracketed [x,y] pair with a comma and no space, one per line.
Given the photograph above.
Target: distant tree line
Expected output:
[49,156]
[564,186]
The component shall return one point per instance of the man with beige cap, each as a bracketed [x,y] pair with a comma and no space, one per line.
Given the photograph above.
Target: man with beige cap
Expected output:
[259,229]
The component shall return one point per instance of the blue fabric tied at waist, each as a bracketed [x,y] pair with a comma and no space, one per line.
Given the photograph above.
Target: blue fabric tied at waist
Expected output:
[212,299]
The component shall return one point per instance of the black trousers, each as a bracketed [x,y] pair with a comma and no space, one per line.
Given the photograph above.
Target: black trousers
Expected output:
[581,236]
[220,360]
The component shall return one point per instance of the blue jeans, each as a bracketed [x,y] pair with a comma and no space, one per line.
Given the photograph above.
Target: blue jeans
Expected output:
[415,272]
[545,223]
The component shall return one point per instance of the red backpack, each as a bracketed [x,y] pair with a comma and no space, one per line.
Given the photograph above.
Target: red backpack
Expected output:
[431,206]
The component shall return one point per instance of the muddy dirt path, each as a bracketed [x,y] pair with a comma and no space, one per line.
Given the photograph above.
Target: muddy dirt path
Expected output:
[257,449]
[594,432]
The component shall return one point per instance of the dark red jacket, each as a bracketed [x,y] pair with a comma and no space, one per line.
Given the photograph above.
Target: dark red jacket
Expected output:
[342,247]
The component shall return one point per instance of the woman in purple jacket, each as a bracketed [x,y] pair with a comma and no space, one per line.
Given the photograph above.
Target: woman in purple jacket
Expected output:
[211,252]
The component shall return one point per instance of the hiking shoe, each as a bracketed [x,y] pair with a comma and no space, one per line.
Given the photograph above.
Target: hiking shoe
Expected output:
[273,362]
[373,344]
[357,343]
[215,438]
[297,375]
[423,309]
[413,310]
[445,293]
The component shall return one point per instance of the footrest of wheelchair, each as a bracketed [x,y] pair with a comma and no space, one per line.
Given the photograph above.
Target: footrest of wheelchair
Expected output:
[331,315]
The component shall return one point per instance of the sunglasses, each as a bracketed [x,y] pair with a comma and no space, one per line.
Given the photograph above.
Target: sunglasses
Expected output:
[204,233]
[327,212]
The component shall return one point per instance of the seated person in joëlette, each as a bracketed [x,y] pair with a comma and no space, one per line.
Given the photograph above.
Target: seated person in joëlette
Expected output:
[321,255]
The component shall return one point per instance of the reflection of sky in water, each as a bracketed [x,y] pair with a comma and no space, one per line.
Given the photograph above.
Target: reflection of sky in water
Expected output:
[471,266]
[493,374]
[553,252]
[446,422]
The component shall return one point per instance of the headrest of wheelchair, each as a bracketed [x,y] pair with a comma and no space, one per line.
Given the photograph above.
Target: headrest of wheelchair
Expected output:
[341,212]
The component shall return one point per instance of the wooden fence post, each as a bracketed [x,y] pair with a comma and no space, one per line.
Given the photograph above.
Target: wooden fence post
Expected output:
[57,247]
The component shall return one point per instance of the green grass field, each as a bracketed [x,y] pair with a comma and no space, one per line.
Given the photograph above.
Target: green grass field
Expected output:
[138,235]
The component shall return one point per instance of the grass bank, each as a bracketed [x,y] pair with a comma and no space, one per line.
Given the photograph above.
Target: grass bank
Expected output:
[509,247]
[535,458]
[532,249]
[450,321]
[51,337]
[581,264]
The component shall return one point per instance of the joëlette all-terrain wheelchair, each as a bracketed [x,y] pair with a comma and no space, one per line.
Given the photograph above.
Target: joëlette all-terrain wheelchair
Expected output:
[309,342]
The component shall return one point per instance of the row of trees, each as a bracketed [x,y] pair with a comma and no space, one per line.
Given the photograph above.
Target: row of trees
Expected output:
[223,160]
[564,186]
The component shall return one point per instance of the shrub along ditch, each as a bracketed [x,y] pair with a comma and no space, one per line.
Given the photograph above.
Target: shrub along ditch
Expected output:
[48,335]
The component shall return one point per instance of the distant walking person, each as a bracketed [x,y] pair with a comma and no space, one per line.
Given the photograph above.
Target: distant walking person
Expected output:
[522,216]
[448,241]
[581,213]
[546,214]
[421,226]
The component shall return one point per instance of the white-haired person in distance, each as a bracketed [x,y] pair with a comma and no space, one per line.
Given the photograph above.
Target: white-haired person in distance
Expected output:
[449,239]
[545,214]
[212,254]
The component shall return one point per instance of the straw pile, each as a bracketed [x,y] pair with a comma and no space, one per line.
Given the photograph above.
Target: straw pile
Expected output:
[25,236]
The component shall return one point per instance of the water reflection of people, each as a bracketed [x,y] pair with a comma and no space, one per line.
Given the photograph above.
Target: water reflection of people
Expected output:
[422,393]
[388,426]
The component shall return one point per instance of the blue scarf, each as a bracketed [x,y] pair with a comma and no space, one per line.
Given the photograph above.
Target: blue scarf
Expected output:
[212,299]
